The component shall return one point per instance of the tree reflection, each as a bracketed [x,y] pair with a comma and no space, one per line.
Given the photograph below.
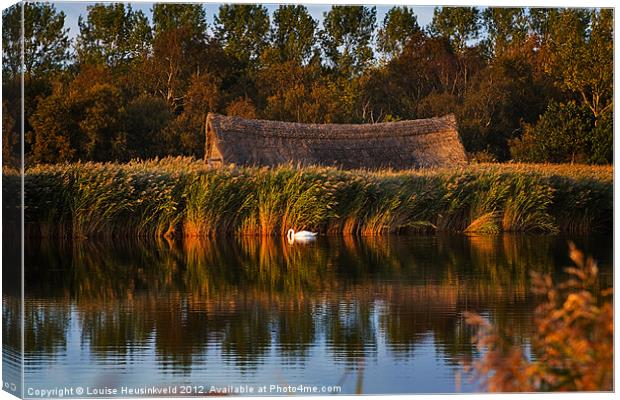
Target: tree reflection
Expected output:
[246,296]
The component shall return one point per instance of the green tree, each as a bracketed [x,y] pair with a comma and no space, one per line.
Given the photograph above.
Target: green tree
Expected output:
[347,38]
[426,66]
[603,140]
[460,25]
[504,26]
[46,44]
[242,30]
[293,33]
[46,57]
[98,109]
[399,26]
[168,17]
[540,21]
[113,34]
[385,96]
[289,66]
[241,107]
[175,59]
[585,60]
[51,131]
[287,88]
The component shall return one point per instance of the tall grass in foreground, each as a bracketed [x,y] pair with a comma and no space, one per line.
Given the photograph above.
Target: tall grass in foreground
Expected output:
[572,344]
[176,196]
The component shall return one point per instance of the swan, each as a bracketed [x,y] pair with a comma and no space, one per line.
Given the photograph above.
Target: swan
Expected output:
[301,236]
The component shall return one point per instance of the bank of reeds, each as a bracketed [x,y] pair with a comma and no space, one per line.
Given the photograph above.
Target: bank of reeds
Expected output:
[181,196]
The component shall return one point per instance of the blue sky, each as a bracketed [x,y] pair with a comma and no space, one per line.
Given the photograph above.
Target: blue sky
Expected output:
[74,9]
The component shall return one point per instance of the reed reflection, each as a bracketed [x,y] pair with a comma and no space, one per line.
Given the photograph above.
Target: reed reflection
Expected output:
[244,298]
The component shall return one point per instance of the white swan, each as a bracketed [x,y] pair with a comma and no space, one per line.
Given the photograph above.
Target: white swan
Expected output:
[301,236]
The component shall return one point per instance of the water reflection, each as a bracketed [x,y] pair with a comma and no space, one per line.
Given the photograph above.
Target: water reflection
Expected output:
[259,310]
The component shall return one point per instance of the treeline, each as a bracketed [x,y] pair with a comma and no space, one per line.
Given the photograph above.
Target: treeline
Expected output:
[526,84]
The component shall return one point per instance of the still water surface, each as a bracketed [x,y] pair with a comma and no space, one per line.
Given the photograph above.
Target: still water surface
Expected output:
[371,315]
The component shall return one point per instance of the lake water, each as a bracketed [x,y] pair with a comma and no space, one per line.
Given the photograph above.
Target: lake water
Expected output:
[369,315]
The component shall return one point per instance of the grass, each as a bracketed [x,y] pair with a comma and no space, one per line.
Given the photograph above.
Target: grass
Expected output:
[182,196]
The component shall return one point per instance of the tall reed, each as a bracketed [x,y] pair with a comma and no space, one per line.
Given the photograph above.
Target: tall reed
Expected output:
[217,202]
[174,196]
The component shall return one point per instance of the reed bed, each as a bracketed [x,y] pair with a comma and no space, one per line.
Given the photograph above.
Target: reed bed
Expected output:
[182,196]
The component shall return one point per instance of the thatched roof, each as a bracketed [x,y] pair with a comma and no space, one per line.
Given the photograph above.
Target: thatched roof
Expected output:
[405,144]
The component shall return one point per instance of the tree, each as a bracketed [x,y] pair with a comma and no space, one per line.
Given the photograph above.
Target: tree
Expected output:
[180,50]
[504,26]
[287,88]
[168,17]
[81,121]
[540,21]
[498,102]
[185,135]
[585,59]
[347,38]
[51,131]
[399,26]
[113,34]
[289,66]
[458,24]
[384,95]
[46,44]
[241,107]
[242,30]
[333,100]
[293,34]
[46,57]
[10,139]
[603,140]
[144,119]
[431,65]
[171,65]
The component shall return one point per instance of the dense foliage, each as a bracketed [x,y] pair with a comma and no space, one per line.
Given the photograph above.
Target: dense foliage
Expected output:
[526,84]
[181,196]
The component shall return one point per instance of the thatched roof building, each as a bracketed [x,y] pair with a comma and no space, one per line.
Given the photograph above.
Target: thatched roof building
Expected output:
[405,144]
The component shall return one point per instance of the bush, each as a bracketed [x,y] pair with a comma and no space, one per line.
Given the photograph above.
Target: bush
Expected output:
[564,133]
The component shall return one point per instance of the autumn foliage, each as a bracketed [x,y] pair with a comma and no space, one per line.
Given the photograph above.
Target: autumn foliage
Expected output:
[526,84]
[572,346]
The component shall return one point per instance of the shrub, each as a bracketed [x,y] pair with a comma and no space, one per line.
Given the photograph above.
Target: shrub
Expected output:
[562,134]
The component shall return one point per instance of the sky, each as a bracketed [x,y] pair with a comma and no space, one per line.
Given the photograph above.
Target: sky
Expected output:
[74,9]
